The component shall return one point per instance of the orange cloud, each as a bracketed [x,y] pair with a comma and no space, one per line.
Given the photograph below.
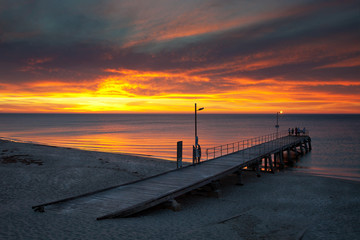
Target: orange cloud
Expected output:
[126,90]
[162,56]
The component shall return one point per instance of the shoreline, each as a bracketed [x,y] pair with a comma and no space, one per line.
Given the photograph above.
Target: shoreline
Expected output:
[284,205]
[82,149]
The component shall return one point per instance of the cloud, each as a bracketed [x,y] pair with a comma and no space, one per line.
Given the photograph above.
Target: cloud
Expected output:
[345,63]
[233,52]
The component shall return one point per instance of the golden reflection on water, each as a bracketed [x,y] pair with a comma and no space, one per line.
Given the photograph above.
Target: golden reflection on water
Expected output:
[127,143]
[155,136]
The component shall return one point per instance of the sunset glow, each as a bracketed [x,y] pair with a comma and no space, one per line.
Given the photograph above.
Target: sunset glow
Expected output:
[230,57]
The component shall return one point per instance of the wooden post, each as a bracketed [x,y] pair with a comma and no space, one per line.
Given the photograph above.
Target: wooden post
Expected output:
[301,148]
[293,148]
[215,186]
[179,154]
[306,147]
[289,156]
[266,160]
[275,159]
[257,170]
[270,163]
[290,161]
[281,156]
[239,181]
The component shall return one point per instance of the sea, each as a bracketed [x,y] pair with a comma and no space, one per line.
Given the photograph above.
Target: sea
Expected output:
[335,137]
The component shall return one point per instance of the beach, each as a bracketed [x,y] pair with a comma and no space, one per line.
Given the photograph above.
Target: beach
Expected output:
[285,205]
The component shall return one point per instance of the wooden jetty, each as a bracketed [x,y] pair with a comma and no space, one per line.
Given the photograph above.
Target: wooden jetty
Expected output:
[127,199]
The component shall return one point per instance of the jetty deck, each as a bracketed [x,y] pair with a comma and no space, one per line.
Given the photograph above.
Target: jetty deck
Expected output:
[127,199]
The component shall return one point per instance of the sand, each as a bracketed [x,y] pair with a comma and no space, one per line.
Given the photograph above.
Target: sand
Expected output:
[284,205]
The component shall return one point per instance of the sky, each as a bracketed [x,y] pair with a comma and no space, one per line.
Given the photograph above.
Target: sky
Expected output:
[162,56]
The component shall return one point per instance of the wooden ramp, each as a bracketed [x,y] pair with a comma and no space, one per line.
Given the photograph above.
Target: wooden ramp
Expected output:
[127,199]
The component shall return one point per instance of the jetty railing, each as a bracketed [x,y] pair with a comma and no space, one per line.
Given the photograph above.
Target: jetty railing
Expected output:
[229,148]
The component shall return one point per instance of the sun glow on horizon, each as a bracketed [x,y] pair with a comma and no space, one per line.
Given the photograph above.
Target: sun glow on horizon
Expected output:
[134,91]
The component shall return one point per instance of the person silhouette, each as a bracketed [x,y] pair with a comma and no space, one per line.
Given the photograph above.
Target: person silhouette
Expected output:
[198,153]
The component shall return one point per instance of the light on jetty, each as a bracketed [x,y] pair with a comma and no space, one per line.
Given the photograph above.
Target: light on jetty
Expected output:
[277,121]
[196,147]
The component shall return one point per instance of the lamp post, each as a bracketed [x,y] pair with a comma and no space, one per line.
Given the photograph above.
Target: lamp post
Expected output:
[196,147]
[277,123]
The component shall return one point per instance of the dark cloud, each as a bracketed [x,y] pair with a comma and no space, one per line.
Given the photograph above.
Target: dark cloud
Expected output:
[56,22]
[81,41]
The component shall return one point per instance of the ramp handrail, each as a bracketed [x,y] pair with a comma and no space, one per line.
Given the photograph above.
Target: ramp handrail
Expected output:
[229,148]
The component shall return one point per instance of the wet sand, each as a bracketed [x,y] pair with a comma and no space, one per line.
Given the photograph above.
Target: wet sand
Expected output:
[284,205]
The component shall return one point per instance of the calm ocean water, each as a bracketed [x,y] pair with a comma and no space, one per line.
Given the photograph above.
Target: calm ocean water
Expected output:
[335,138]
